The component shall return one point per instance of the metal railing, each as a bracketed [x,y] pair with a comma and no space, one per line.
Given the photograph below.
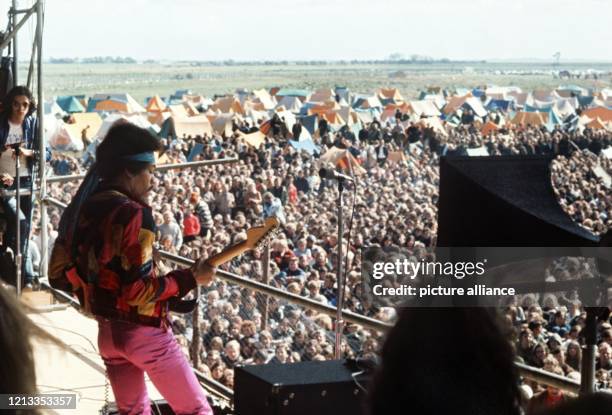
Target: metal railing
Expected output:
[161,167]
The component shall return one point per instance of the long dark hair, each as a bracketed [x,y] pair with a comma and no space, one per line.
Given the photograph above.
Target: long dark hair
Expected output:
[442,361]
[7,102]
[124,139]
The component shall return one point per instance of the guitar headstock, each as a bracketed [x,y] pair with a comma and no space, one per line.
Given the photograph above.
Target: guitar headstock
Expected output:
[260,235]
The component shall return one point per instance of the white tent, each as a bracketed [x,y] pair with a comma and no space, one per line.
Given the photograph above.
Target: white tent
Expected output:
[265,98]
[476,106]
[111,119]
[426,108]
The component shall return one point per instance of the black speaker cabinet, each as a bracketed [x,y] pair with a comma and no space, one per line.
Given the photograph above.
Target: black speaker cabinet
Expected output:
[305,388]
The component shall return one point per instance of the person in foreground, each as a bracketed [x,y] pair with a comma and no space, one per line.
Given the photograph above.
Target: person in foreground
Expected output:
[104,254]
[446,361]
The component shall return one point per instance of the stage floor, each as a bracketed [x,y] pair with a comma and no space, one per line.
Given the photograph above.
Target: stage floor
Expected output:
[78,369]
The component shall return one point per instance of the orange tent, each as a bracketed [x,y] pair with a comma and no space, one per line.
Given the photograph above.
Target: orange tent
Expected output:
[228,104]
[390,93]
[343,159]
[488,128]
[598,112]
[112,105]
[156,104]
[597,124]
[531,118]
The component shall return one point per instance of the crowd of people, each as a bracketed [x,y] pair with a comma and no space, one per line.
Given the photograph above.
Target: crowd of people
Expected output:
[201,211]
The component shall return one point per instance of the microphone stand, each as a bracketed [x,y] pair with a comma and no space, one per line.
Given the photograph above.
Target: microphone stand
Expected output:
[18,254]
[339,274]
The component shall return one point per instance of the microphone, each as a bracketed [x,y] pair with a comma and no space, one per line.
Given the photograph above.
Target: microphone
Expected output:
[334,175]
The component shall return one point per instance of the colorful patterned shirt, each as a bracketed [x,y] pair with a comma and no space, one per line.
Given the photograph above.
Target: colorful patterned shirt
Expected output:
[113,255]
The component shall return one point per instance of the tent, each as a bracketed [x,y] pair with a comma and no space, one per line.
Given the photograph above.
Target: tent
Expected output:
[322,95]
[111,105]
[178,110]
[51,107]
[196,150]
[111,119]
[290,103]
[530,118]
[264,98]
[465,102]
[499,104]
[343,159]
[391,95]
[310,123]
[132,105]
[603,113]
[70,104]
[221,123]
[488,128]
[287,92]
[87,123]
[519,97]
[156,104]
[288,117]
[305,145]
[424,108]
[62,139]
[348,115]
[367,103]
[254,139]
[343,92]
[597,124]
[182,127]
[227,105]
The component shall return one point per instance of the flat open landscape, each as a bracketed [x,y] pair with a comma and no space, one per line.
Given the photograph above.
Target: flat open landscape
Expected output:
[144,80]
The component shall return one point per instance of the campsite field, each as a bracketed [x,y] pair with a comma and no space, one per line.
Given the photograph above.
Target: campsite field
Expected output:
[144,80]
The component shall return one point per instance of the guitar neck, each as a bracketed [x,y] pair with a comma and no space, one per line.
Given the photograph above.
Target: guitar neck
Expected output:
[228,254]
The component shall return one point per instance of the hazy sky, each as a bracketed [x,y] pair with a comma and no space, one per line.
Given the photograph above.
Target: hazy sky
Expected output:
[325,29]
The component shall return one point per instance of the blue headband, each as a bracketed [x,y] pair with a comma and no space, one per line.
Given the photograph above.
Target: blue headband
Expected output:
[147,157]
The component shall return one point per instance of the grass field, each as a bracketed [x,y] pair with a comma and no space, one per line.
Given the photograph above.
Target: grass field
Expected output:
[144,80]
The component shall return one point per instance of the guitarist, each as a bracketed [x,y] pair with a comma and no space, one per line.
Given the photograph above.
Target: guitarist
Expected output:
[104,254]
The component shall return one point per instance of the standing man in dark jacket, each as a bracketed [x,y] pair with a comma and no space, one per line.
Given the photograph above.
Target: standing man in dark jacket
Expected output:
[296,130]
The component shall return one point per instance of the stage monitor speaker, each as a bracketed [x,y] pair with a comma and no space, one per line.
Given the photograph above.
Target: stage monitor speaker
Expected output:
[305,388]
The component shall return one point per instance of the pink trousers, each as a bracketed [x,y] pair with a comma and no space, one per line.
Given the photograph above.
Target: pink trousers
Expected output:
[129,350]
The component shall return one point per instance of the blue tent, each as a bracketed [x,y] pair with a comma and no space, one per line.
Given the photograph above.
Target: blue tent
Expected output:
[306,145]
[478,92]
[499,104]
[553,119]
[91,104]
[343,92]
[542,108]
[307,105]
[310,123]
[70,104]
[196,150]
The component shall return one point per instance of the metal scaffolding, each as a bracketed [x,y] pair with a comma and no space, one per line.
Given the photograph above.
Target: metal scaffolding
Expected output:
[11,40]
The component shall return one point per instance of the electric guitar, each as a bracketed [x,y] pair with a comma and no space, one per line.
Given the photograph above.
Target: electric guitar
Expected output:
[256,237]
